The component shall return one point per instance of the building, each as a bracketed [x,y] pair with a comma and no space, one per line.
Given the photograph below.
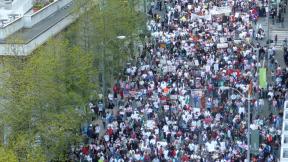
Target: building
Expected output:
[284,136]
[23,27]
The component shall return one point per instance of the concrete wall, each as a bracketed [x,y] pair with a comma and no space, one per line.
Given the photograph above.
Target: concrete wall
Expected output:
[44,12]
[12,49]
[26,49]
[11,28]
[19,6]
[28,21]
[35,43]
[22,6]
[6,4]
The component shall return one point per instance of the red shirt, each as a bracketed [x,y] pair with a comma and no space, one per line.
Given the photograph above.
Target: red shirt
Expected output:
[115,89]
[85,150]
[110,131]
[185,158]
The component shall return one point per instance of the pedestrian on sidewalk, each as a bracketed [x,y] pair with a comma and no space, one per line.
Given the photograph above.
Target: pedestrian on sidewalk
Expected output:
[276,39]
[279,17]
[159,5]
[273,14]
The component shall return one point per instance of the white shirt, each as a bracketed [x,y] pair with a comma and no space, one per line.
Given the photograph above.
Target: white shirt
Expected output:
[97,129]
[106,137]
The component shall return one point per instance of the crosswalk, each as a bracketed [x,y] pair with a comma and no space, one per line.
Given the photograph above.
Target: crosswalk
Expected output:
[281,36]
[282,33]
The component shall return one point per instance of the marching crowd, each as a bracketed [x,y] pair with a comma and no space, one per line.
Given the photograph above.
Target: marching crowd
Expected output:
[171,104]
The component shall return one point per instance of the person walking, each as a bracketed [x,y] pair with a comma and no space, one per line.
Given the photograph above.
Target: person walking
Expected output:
[279,17]
[273,16]
[276,39]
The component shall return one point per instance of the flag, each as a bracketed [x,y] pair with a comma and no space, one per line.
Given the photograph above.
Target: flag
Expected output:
[262,78]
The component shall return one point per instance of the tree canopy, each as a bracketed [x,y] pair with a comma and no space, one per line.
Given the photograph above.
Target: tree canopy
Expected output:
[44,96]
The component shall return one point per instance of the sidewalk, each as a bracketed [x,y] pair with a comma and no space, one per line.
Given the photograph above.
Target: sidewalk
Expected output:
[276,28]
[282,33]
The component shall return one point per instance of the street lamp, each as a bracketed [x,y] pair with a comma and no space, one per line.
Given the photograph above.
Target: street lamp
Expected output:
[268,28]
[249,122]
[104,45]
[121,37]
[256,49]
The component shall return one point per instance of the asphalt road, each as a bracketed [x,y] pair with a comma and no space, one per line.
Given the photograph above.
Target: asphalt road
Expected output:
[266,109]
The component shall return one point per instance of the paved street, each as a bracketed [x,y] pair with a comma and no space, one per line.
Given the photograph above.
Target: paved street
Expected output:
[274,29]
[281,30]
[162,106]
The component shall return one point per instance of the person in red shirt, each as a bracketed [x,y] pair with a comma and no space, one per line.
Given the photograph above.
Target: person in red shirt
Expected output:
[110,131]
[185,158]
[85,150]
[121,94]
[115,90]
[160,151]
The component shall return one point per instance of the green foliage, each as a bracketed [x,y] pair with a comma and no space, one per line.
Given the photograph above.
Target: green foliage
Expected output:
[44,93]
[99,27]
[23,146]
[7,155]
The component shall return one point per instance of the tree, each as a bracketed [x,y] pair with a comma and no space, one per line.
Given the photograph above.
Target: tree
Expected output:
[104,22]
[7,155]
[46,93]
[46,97]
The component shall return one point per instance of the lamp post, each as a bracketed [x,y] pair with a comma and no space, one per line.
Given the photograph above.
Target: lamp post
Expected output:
[268,28]
[103,66]
[256,49]
[248,116]
[145,6]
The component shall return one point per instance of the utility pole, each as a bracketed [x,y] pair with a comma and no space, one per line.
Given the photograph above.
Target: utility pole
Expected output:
[145,6]
[268,28]
[104,89]
[268,31]
[248,127]
[248,98]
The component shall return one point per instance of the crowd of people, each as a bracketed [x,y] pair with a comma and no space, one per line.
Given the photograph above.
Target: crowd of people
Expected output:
[186,98]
